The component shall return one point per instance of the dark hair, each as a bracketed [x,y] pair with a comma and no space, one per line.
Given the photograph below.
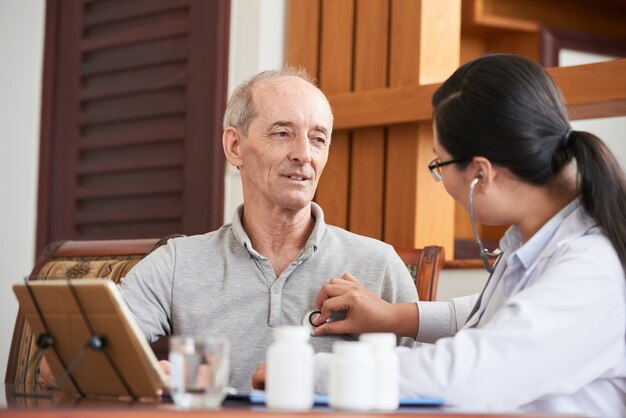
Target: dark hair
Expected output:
[507,109]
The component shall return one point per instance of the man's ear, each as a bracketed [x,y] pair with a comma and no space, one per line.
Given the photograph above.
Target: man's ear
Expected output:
[482,169]
[231,141]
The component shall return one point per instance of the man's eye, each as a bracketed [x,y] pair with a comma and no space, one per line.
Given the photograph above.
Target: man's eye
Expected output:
[320,139]
[281,134]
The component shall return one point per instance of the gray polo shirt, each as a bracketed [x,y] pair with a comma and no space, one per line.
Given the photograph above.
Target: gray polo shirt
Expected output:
[217,284]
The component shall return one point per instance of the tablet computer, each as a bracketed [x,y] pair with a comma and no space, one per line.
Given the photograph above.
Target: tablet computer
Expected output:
[72,312]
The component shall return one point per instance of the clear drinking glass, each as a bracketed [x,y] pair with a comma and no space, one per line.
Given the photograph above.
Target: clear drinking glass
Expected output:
[199,370]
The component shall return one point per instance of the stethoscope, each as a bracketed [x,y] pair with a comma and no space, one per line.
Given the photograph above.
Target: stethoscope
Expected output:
[484,254]
[308,318]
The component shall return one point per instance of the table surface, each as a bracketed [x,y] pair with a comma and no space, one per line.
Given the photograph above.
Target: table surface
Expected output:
[67,406]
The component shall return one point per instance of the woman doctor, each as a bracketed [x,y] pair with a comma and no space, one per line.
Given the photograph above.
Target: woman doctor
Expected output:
[548,332]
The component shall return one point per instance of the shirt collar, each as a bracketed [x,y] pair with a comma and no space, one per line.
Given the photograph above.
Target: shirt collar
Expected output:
[529,251]
[309,248]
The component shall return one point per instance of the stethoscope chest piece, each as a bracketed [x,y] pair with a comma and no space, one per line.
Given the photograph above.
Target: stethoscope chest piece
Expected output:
[308,317]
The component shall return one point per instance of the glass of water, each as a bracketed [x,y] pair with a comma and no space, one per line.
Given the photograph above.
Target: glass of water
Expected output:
[199,371]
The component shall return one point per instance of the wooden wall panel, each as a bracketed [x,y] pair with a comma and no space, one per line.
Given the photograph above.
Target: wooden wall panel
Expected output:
[440,41]
[440,51]
[303,34]
[402,151]
[420,54]
[400,186]
[525,44]
[597,17]
[335,76]
[434,219]
[368,145]
[390,106]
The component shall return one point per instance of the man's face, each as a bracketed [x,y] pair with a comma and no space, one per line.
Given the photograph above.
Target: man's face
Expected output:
[286,148]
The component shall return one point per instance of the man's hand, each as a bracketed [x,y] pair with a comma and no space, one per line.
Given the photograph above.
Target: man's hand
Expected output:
[166,366]
[46,378]
[258,378]
[365,311]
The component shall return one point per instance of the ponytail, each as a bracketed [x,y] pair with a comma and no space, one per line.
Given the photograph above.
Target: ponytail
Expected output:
[602,187]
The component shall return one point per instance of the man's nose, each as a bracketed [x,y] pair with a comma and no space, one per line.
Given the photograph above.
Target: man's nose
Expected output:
[301,151]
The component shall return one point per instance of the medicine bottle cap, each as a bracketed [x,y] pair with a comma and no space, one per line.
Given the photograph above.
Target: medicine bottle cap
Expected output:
[291,333]
[351,348]
[380,340]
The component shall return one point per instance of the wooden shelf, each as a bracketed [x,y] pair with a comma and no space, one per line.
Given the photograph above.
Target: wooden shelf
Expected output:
[590,91]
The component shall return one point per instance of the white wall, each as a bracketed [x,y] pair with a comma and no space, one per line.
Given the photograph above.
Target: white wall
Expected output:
[256,44]
[21,49]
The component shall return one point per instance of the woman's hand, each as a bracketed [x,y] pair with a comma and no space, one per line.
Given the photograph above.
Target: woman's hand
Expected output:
[365,311]
[258,378]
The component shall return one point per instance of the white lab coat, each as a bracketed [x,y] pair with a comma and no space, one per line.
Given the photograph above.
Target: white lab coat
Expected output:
[557,344]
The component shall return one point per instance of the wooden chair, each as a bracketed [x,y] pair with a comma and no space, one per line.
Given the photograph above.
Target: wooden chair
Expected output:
[106,259]
[424,264]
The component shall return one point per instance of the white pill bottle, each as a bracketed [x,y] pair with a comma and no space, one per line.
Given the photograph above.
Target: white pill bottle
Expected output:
[289,374]
[351,381]
[387,370]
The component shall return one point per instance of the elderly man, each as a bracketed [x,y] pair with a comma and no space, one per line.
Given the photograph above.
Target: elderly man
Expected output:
[266,268]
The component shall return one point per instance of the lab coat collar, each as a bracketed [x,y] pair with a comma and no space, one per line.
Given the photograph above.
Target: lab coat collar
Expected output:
[575,224]
[528,252]
[572,217]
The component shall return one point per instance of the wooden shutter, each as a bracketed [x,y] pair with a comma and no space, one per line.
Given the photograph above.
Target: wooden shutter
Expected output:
[133,97]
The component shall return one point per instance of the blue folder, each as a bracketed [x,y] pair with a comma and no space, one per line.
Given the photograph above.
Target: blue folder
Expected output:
[258,397]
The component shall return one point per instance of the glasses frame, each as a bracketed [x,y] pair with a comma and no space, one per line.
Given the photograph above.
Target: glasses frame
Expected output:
[435,166]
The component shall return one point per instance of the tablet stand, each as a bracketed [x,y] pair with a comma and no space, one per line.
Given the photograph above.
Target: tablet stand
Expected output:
[45,340]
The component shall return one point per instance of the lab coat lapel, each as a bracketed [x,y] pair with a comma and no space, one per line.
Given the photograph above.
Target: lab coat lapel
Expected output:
[487,292]
[569,229]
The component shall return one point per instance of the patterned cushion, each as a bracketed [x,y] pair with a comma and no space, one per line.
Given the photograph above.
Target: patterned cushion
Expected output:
[92,267]
[412,270]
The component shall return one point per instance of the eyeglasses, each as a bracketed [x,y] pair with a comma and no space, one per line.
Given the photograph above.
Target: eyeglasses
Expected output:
[435,166]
